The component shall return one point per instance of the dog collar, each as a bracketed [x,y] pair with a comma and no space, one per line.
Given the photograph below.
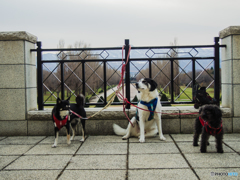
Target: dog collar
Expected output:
[151,107]
[60,123]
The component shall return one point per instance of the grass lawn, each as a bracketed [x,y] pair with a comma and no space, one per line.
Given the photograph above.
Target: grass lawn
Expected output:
[183,98]
[188,94]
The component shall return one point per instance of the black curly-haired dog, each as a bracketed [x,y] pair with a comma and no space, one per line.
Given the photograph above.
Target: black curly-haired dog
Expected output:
[209,123]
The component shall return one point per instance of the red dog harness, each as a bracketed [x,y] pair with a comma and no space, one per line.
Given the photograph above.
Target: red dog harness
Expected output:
[60,123]
[210,130]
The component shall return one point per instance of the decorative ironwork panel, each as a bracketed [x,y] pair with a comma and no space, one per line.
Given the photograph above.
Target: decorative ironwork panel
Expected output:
[95,72]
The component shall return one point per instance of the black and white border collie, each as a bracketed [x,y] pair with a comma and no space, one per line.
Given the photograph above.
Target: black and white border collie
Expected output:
[146,123]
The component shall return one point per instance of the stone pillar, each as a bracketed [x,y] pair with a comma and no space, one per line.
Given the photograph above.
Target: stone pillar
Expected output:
[231,72]
[18,88]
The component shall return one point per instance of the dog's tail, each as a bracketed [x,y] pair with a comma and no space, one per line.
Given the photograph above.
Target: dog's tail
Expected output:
[80,100]
[118,130]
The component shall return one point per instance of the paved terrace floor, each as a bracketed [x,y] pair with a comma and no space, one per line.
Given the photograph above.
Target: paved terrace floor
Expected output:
[110,157]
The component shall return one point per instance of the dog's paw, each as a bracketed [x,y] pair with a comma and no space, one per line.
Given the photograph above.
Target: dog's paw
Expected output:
[142,140]
[54,146]
[68,142]
[203,150]
[195,144]
[220,151]
[72,138]
[125,137]
[162,138]
[82,140]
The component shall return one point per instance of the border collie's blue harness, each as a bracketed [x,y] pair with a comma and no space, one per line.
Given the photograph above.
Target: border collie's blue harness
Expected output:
[151,107]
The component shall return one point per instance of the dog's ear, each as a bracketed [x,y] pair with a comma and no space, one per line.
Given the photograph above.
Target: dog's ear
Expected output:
[59,100]
[68,98]
[153,85]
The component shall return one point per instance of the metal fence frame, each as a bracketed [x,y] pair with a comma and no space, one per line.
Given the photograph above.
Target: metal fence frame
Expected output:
[40,62]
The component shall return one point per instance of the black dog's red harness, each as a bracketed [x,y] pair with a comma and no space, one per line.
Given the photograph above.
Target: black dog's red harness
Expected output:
[60,123]
[210,130]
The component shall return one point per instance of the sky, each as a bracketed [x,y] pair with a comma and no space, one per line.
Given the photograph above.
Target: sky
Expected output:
[107,23]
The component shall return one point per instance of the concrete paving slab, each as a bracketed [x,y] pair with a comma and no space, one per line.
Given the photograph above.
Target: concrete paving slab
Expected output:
[61,140]
[213,160]
[115,139]
[14,149]
[29,174]
[2,137]
[169,174]
[97,162]
[218,174]
[91,147]
[105,157]
[182,137]
[231,137]
[93,174]
[152,139]
[47,149]
[234,145]
[149,148]
[187,137]
[24,140]
[146,161]
[5,160]
[40,162]
[187,147]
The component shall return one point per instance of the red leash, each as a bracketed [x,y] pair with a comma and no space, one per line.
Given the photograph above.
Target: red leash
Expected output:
[121,82]
[161,112]
[121,96]
[125,100]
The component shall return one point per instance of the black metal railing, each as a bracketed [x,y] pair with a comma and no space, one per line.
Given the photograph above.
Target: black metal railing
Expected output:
[170,69]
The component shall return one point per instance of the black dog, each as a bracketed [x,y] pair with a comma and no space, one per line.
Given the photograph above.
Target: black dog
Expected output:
[62,116]
[201,97]
[209,123]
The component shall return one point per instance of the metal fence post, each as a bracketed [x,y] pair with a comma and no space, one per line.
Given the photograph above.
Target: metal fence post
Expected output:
[172,83]
[83,79]
[105,82]
[216,71]
[150,68]
[193,76]
[127,75]
[62,81]
[39,76]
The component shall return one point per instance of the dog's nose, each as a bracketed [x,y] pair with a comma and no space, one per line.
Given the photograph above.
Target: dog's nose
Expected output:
[137,85]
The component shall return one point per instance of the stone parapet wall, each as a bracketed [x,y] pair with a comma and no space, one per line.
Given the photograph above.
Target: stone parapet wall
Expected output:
[174,120]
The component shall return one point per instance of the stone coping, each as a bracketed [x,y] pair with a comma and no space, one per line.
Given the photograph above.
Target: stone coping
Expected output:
[231,30]
[117,113]
[17,35]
